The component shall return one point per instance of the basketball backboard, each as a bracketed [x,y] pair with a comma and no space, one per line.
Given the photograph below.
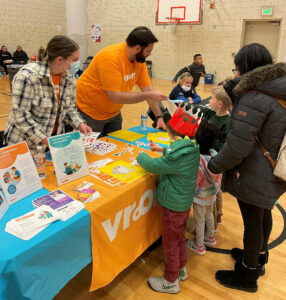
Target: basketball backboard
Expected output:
[181,11]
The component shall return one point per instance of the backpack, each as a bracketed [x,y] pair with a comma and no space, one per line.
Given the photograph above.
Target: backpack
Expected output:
[278,165]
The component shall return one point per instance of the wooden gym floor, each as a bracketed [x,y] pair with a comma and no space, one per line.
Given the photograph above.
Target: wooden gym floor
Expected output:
[132,283]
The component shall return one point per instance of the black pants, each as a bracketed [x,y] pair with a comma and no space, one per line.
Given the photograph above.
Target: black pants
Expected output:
[257,228]
[103,126]
[4,66]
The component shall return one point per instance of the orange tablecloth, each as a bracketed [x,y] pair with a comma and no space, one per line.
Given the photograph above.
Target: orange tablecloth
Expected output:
[124,220]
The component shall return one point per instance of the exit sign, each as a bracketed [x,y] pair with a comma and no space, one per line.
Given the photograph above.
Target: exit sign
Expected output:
[267,11]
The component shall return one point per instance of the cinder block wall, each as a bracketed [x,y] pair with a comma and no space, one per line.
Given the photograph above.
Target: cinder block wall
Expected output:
[216,39]
[31,23]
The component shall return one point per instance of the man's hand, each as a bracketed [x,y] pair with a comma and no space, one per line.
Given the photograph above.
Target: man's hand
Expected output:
[83,128]
[161,124]
[156,96]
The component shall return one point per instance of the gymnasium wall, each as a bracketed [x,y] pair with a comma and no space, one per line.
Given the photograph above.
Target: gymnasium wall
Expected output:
[216,39]
[31,23]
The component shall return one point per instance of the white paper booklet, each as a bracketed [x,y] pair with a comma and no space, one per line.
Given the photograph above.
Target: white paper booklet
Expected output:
[28,225]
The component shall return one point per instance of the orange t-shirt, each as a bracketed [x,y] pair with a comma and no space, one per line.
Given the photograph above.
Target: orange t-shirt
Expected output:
[110,70]
[56,81]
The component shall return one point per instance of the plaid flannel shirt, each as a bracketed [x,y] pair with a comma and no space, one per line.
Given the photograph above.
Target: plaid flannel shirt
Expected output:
[35,107]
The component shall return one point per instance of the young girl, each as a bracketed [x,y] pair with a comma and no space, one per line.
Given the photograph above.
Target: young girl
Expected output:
[207,187]
[184,91]
[178,170]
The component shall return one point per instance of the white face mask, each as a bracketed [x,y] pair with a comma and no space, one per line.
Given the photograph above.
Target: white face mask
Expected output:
[186,88]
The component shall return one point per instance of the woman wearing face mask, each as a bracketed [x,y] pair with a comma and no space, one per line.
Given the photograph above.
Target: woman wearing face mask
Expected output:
[184,91]
[43,96]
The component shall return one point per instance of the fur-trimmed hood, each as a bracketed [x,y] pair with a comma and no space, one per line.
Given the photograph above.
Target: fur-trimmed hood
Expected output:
[270,79]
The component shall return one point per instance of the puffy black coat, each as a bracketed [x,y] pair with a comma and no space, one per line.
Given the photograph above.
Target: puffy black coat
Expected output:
[248,174]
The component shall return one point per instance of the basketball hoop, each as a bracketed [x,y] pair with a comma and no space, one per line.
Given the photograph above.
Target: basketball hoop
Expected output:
[173,22]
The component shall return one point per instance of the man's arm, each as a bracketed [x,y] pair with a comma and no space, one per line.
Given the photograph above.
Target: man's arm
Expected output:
[183,70]
[154,106]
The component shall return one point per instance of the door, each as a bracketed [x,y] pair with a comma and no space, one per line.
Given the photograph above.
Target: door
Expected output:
[265,33]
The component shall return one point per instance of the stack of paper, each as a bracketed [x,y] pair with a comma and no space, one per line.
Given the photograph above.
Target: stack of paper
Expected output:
[63,204]
[30,224]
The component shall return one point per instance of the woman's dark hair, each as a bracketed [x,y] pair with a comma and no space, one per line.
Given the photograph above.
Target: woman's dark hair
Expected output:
[252,56]
[141,36]
[59,45]
[206,136]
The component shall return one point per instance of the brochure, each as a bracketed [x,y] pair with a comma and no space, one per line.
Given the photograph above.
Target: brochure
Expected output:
[61,203]
[3,204]
[68,155]
[18,174]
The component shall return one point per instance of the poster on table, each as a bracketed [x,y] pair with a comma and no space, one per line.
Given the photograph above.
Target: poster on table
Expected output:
[18,174]
[68,157]
[3,203]
[96,33]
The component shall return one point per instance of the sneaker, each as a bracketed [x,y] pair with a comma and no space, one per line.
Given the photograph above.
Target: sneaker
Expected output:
[210,241]
[192,245]
[161,285]
[183,275]
[218,222]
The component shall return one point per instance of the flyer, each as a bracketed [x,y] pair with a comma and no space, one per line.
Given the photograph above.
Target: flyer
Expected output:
[159,137]
[123,171]
[68,156]
[18,174]
[126,135]
[60,202]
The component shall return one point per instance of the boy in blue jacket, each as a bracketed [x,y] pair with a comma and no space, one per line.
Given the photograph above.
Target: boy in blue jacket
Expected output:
[178,170]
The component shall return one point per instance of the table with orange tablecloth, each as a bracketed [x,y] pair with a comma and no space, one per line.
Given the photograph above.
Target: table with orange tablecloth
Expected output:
[125,220]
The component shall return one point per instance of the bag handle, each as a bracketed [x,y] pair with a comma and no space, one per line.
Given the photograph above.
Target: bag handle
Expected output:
[266,153]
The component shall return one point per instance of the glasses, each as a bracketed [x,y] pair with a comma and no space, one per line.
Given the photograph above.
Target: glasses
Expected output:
[235,71]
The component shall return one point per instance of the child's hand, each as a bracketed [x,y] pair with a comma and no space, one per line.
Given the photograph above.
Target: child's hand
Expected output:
[155,147]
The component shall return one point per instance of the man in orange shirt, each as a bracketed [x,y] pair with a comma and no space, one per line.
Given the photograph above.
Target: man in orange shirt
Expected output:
[108,81]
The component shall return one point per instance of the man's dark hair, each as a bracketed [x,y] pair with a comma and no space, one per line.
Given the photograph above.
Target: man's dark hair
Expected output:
[206,136]
[252,56]
[141,36]
[197,55]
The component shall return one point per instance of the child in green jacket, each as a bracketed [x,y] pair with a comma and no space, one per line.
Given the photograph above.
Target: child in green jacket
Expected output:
[178,170]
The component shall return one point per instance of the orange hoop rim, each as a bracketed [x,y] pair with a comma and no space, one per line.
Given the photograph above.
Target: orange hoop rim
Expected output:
[173,20]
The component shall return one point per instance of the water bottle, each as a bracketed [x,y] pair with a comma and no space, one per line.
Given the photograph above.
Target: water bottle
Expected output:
[40,162]
[144,118]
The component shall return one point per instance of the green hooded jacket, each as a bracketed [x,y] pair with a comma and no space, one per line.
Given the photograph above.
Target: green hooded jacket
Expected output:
[178,170]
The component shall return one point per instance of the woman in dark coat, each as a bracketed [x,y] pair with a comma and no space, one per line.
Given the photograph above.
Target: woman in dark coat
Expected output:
[248,175]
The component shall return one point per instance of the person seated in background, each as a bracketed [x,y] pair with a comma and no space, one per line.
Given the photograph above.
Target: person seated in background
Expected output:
[196,69]
[184,91]
[20,56]
[5,58]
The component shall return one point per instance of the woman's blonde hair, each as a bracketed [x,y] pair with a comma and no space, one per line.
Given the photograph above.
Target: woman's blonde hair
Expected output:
[184,76]
[59,45]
